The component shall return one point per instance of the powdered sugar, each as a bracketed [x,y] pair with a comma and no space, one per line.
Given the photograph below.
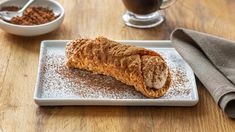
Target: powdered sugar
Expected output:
[57,81]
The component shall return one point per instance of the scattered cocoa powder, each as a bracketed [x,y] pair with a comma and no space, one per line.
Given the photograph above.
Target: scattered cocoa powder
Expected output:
[32,15]
[10,8]
[57,81]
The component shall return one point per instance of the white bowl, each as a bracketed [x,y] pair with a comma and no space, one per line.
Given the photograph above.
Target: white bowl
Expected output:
[33,30]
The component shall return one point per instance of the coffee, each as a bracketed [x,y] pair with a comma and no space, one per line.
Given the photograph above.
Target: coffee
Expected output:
[142,7]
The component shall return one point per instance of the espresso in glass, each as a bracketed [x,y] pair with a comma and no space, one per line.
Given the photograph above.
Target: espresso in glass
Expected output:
[142,7]
[144,13]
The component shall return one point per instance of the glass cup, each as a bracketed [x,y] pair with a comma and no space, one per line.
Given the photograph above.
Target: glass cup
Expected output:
[145,13]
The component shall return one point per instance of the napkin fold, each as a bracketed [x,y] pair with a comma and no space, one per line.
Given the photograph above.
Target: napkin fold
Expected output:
[213,61]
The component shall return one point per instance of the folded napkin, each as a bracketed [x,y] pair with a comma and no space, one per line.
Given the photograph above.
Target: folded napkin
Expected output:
[213,61]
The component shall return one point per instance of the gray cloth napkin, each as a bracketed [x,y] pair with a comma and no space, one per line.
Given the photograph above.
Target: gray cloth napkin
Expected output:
[213,61]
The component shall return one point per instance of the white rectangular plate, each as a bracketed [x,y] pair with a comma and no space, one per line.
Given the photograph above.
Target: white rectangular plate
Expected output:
[58,85]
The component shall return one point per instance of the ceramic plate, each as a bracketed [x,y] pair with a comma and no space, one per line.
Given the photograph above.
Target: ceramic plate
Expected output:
[58,85]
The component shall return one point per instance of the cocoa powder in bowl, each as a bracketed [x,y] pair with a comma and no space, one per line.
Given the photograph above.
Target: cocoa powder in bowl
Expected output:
[32,15]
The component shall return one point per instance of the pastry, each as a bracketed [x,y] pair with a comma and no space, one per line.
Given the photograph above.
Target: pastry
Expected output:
[144,69]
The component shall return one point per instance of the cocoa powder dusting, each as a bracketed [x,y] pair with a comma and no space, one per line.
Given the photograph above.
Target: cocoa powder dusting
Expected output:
[32,15]
[60,82]
[10,8]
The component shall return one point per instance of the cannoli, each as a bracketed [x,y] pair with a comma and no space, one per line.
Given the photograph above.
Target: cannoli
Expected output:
[144,69]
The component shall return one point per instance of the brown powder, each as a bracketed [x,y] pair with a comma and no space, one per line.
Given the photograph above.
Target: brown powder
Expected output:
[10,8]
[32,15]
[57,81]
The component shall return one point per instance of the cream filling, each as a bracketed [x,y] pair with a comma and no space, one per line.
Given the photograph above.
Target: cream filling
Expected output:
[157,81]
[160,80]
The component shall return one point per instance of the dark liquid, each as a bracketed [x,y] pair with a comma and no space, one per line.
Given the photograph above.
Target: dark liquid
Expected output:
[142,7]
